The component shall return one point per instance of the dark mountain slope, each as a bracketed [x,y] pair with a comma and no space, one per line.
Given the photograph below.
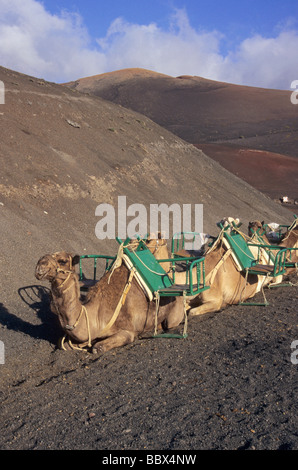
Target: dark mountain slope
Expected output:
[204,112]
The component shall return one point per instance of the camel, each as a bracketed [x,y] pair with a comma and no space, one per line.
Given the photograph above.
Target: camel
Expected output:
[157,244]
[256,237]
[288,240]
[228,286]
[115,311]
[257,231]
[180,267]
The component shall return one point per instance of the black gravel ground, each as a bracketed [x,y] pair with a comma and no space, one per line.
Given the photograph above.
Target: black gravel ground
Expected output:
[232,384]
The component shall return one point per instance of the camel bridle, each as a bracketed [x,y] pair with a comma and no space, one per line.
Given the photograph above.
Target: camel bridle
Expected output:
[83,309]
[64,271]
[158,244]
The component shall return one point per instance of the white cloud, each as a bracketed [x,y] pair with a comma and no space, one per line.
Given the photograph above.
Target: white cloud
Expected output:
[265,62]
[59,48]
[35,42]
[180,50]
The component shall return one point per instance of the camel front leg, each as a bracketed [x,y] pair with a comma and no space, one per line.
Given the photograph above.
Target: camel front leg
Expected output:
[208,301]
[121,338]
[175,316]
[207,307]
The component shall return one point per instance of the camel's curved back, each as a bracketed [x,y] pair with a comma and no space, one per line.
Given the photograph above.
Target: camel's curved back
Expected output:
[290,239]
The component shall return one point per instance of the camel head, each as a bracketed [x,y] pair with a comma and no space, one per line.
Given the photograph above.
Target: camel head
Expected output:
[229,221]
[254,226]
[49,265]
[156,243]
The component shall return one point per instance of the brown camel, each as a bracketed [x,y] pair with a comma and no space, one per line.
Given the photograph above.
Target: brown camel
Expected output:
[257,231]
[288,240]
[227,285]
[115,311]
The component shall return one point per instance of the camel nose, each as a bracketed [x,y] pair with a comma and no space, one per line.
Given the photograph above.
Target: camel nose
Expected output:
[41,270]
[38,272]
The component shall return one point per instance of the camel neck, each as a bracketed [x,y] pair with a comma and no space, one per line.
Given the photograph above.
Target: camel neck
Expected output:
[66,297]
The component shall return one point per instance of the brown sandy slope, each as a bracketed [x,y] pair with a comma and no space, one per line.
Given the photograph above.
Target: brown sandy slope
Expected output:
[272,173]
[62,153]
[204,111]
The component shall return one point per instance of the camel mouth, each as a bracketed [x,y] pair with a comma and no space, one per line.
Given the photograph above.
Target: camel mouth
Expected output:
[41,275]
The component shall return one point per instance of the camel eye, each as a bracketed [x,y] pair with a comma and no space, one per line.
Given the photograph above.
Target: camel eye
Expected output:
[62,261]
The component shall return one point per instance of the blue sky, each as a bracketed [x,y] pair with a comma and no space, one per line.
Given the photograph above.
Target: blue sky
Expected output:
[250,42]
[237,19]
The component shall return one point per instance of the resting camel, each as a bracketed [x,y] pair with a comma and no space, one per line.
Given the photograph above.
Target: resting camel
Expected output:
[257,228]
[289,239]
[227,285]
[116,310]
[159,248]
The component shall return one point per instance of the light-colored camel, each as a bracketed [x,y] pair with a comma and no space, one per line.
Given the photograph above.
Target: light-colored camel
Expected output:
[159,248]
[227,285]
[115,311]
[255,239]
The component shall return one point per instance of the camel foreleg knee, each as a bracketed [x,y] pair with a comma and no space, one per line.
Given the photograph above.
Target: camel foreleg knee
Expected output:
[114,341]
[204,308]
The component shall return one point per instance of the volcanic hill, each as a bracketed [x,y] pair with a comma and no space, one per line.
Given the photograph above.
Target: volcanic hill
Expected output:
[222,119]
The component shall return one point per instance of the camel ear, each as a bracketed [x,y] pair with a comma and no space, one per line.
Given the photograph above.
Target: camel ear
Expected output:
[75,259]
[262,223]
[162,235]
